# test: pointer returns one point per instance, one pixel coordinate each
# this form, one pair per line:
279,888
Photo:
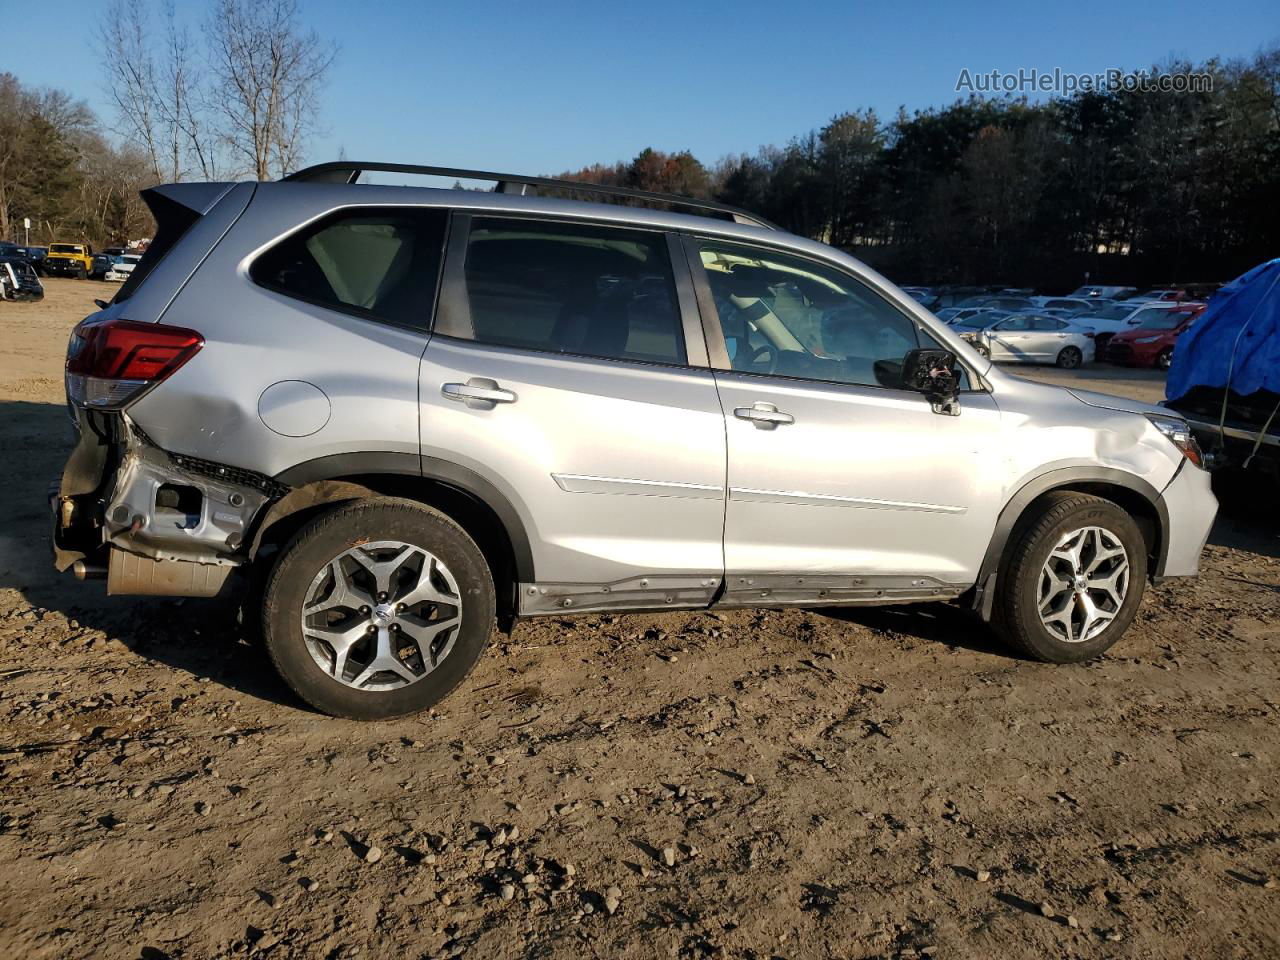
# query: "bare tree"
132,85
266,75
156,91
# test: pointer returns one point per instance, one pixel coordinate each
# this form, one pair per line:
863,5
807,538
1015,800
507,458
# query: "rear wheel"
378,609
1070,357
1072,580
1164,359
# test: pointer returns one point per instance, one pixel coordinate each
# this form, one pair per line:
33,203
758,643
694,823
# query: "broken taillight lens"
110,363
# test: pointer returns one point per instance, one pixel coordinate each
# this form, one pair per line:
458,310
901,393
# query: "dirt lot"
754,784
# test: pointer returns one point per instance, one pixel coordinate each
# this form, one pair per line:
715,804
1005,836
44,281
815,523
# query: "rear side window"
378,263
572,289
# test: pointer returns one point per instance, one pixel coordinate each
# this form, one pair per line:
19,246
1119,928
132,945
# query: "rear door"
567,368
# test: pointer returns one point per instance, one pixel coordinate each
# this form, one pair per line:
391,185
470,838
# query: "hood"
1105,401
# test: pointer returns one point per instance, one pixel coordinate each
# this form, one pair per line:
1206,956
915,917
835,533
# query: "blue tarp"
1237,338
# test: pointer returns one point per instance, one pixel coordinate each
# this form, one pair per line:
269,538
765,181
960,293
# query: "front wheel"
1070,357
1072,579
377,609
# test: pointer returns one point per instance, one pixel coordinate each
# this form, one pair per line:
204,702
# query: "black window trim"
719,352
452,318
359,313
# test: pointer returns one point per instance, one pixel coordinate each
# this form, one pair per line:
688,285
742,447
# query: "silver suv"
390,415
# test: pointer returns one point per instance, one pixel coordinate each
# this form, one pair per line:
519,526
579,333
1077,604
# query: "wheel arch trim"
1063,479
343,465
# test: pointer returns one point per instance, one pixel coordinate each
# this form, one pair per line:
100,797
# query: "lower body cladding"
171,525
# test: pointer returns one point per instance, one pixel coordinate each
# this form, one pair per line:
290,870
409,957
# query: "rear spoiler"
176,207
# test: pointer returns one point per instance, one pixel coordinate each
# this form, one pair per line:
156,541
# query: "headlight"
1180,435
1146,339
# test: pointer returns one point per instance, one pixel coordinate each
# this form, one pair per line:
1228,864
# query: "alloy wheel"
1083,584
380,616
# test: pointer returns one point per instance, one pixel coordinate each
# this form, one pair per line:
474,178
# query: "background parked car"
69,260
35,256
18,280
1151,342
1035,338
122,266
1116,318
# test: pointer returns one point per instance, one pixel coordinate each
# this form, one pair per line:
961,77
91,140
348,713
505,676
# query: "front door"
842,485
560,371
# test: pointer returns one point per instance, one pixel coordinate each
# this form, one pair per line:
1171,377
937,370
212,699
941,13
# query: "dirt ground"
753,784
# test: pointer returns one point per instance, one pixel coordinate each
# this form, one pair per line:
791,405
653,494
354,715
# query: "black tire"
1070,357
336,531
81,273
1100,342
1016,615
1164,359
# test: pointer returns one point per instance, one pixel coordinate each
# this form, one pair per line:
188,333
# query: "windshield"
1160,319
63,248
130,258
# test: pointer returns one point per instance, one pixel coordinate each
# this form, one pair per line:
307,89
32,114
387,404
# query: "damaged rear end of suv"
149,521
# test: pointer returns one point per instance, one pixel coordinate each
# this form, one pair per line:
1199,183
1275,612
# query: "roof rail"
348,171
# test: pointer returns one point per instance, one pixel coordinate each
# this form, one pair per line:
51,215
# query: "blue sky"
550,86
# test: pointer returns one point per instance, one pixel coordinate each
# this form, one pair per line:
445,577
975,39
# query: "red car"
1151,344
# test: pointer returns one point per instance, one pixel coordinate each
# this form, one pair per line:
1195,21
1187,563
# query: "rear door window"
570,288
377,263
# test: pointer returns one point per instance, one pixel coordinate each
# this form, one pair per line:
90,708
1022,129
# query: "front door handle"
478,393
765,416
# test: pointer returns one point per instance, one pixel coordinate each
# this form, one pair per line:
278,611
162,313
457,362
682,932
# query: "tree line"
1122,185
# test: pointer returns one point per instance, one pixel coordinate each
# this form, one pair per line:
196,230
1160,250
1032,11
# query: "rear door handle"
478,393
765,416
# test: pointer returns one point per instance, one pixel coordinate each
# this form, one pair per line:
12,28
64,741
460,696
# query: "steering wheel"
765,348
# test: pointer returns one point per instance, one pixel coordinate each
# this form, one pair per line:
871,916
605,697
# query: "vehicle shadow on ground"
941,623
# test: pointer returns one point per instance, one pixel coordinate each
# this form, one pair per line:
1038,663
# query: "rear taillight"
111,363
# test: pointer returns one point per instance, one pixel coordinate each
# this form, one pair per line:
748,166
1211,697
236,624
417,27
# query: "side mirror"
933,373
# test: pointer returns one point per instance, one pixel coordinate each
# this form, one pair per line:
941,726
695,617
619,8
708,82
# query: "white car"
1035,338
1108,321
122,266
